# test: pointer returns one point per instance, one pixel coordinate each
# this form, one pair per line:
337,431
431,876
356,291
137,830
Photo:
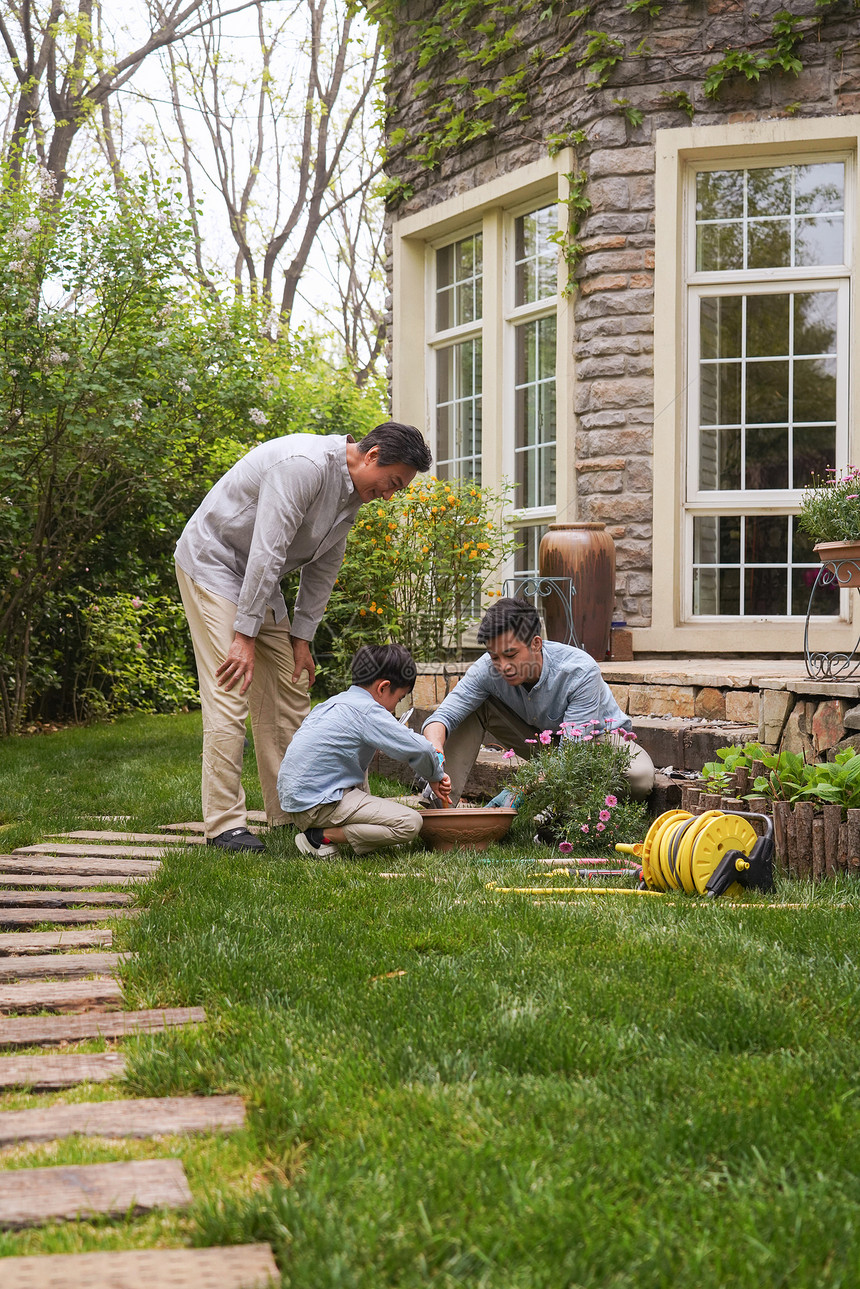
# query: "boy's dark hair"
391,662
510,614
397,442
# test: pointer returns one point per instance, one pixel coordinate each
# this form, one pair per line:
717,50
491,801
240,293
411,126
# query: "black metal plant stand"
541,588
822,664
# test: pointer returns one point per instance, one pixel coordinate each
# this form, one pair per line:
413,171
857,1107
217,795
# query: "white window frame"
679,154
440,340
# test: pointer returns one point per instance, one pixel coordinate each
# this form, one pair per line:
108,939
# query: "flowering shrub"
413,570
573,792
830,511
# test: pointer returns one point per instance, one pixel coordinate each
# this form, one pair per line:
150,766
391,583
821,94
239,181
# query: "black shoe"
236,839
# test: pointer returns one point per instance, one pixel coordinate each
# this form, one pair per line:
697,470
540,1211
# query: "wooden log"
131,838
30,1031
853,839
71,864
242,1266
63,881
147,1117
69,966
44,1072
91,852
742,779
819,849
757,770
34,1196
760,806
27,899
791,832
804,813
844,843
61,917
781,820
733,805
60,996
832,822
17,942
690,798
709,801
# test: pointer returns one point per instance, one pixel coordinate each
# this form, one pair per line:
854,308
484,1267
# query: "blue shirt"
334,745
570,689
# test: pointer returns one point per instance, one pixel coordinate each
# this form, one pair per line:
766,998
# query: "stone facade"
613,347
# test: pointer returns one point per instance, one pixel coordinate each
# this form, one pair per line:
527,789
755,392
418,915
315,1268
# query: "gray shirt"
334,745
570,689
288,504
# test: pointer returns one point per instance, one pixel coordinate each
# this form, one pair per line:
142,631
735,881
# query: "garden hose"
711,854
570,890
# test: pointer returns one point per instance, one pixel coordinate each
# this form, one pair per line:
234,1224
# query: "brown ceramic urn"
586,554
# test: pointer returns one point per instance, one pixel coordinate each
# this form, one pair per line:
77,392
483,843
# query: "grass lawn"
450,1086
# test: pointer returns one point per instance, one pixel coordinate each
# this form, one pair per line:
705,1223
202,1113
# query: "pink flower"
583,828
853,497
600,827
510,753
530,740
546,737
565,847
611,801
136,602
604,816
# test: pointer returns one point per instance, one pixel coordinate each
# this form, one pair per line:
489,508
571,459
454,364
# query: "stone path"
56,884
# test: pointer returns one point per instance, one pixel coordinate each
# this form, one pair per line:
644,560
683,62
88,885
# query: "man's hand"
436,733
239,663
303,660
442,790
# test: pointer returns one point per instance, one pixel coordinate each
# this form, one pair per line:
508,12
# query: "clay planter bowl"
446,829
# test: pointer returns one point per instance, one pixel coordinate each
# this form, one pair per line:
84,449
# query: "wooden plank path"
147,1117
64,881
42,1073
30,1031
163,839
34,1196
60,996
61,899
243,1266
17,942
71,966
114,852
60,917
79,864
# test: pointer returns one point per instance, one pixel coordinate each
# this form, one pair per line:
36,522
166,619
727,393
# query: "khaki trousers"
369,822
464,743
275,704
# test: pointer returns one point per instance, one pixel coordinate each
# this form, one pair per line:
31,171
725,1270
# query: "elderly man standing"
289,504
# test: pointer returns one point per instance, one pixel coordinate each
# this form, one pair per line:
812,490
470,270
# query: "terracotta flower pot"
842,559
445,829
586,554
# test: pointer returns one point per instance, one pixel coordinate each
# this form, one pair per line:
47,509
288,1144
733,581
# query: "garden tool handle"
627,849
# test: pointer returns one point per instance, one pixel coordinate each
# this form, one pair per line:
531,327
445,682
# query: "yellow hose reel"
711,854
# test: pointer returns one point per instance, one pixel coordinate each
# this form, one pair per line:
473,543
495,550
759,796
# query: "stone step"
30,1031
244,1266
36,1196
59,996
17,942
145,1117
43,1073
687,744
70,966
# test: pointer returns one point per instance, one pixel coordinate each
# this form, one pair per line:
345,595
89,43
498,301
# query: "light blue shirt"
570,689
334,745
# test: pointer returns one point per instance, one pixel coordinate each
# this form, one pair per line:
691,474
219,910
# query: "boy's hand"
442,790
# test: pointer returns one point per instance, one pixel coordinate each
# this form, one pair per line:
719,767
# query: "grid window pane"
458,410
535,413
459,283
770,217
755,566
535,256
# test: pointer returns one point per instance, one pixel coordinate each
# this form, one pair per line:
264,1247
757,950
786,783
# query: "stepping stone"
35,1196
29,1031
69,965
47,1072
15,942
63,881
61,917
130,837
60,996
147,1117
60,899
91,852
244,1266
78,864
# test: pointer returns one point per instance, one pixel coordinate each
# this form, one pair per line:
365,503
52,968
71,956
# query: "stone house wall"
614,411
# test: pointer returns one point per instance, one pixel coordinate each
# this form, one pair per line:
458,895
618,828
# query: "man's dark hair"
510,614
398,442
391,662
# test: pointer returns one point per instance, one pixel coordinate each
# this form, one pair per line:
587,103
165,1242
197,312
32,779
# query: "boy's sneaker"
312,842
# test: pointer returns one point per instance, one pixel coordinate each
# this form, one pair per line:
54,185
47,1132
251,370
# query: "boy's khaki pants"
369,822
277,707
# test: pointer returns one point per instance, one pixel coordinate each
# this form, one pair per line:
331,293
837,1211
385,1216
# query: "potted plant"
830,512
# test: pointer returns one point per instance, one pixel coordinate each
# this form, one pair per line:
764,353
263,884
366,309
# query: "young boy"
320,782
